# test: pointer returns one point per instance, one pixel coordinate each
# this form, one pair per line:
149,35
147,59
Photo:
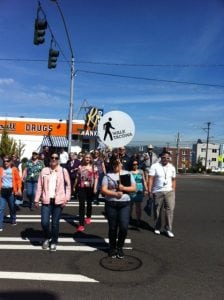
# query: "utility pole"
178,147
207,129
71,101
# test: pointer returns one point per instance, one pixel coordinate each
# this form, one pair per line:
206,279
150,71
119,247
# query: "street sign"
116,129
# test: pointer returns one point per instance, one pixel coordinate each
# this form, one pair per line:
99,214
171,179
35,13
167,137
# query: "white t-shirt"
111,181
63,157
163,176
52,183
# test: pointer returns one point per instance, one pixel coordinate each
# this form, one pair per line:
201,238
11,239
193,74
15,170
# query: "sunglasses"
164,157
134,164
6,160
55,157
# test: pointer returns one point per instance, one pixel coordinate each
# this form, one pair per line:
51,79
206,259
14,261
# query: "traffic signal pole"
71,101
71,104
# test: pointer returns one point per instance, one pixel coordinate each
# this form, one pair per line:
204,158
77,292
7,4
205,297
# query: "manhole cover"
128,263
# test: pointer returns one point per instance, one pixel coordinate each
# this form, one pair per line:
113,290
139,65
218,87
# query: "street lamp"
71,101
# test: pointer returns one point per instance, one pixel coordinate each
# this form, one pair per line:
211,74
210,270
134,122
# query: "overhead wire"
153,79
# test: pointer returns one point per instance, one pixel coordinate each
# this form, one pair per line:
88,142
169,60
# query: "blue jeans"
118,215
54,211
31,187
10,200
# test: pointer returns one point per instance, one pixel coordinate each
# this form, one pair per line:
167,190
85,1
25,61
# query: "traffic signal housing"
52,58
39,31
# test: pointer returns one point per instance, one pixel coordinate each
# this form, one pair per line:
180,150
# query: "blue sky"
170,40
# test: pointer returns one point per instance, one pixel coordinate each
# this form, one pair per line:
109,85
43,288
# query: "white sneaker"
45,245
156,231
170,234
53,247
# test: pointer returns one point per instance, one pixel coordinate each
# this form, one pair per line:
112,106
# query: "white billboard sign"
116,129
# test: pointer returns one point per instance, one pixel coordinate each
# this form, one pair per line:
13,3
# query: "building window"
203,150
214,150
213,159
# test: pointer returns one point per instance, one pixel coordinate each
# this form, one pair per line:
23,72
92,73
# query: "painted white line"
60,240
46,277
59,248
77,205
61,221
63,217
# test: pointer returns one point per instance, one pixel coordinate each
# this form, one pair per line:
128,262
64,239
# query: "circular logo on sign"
116,129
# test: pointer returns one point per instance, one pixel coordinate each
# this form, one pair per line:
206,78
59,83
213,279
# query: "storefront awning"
55,141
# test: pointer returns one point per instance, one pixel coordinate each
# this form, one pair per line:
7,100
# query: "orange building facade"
36,133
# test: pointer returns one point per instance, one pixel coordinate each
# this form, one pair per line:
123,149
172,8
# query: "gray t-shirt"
111,181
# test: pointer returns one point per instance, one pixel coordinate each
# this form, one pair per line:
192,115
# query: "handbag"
149,206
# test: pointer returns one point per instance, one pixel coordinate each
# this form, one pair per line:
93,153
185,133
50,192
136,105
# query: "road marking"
35,220
46,277
75,219
70,204
60,240
77,205
63,216
59,247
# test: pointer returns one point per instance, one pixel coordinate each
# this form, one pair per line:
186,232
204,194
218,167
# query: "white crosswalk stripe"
60,240
75,244
46,277
64,219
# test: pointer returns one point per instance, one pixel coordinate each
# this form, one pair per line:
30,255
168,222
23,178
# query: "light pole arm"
66,30
71,102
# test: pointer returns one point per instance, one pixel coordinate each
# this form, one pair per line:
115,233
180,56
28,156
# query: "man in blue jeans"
30,176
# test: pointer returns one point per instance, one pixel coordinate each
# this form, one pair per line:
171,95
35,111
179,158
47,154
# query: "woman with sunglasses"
10,185
54,191
117,201
141,188
86,185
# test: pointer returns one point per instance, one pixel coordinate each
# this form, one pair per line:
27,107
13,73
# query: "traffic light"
39,31
52,58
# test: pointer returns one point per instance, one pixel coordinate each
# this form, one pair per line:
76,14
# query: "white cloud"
6,81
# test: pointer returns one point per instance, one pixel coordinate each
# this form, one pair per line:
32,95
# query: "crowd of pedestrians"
121,181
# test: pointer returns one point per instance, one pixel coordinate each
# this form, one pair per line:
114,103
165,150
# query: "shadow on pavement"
27,295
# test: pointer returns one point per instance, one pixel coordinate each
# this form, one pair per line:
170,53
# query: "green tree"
8,145
199,165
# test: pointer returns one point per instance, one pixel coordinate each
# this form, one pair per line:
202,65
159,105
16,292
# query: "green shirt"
33,170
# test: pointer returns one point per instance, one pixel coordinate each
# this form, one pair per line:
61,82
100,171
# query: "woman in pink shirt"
54,190
86,185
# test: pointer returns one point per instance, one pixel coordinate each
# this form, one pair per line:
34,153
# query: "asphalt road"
190,266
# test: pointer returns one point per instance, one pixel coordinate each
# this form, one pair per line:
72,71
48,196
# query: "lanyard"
165,172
